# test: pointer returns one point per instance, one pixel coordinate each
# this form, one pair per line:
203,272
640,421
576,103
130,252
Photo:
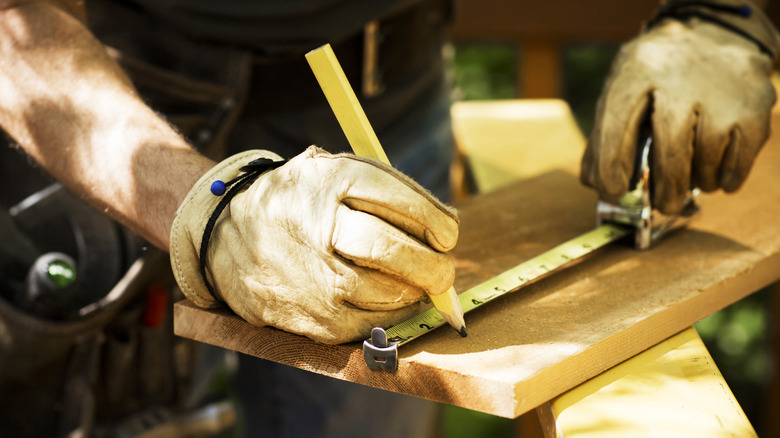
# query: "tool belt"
95,355
73,373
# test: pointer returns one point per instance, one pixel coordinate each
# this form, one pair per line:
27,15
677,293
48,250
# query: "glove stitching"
405,302
183,283
427,233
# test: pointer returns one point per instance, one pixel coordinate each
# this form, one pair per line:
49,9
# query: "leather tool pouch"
54,374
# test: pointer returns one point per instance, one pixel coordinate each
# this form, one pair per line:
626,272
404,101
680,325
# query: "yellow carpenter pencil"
364,143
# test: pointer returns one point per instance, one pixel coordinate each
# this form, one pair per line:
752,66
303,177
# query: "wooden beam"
562,20
530,346
593,20
541,69
672,390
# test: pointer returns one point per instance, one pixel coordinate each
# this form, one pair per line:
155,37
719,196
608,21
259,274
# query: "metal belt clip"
635,207
377,354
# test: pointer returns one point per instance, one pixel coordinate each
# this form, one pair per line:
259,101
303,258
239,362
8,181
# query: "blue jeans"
285,402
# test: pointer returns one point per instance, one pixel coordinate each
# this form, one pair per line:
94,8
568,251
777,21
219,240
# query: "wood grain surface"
532,345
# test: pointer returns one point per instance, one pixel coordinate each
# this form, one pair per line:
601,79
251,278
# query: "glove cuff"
191,220
740,16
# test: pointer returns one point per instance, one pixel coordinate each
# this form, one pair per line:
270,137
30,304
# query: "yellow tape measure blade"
513,279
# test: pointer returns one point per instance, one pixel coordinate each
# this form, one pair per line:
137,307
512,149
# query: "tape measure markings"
511,279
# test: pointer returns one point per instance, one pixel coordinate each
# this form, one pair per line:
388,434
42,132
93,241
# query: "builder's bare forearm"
72,109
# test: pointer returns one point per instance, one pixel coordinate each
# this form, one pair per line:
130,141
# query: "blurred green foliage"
463,423
585,66
485,71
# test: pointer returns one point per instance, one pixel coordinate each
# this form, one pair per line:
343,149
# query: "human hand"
709,95
326,246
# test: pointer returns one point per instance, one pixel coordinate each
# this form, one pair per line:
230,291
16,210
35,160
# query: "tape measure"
511,279
632,214
381,351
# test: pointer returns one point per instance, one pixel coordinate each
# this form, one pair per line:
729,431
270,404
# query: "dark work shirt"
271,26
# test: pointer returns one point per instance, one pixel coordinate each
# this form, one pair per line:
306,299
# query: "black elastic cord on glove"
251,171
677,11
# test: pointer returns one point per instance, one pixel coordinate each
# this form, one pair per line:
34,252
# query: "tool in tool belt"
59,257
633,213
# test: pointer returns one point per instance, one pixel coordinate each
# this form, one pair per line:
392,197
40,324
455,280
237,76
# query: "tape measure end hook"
377,354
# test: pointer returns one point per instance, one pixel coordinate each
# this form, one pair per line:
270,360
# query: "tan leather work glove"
709,92
326,246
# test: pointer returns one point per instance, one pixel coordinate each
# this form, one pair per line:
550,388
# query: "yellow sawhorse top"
674,389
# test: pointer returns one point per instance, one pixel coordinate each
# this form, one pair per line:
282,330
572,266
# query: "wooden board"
533,345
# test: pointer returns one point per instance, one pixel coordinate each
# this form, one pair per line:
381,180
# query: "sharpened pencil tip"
462,331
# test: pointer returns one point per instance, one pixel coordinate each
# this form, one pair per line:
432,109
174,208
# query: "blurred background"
563,49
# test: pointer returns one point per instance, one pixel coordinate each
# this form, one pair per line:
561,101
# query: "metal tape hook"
635,208
377,354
